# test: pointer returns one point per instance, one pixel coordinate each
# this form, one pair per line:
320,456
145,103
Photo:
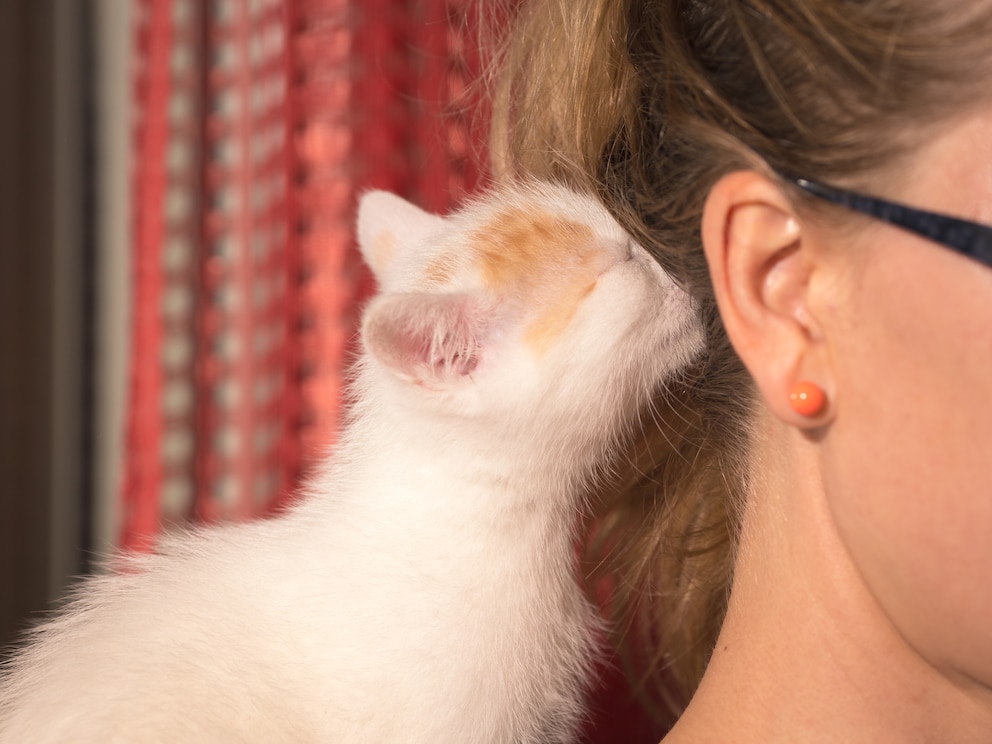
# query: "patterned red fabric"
161,419
260,123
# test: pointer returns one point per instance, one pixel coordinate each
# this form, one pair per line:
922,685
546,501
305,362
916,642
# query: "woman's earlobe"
762,265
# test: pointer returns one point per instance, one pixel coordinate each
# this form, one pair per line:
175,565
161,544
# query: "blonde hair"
649,103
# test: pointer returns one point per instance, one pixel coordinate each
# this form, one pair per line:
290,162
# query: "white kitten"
423,590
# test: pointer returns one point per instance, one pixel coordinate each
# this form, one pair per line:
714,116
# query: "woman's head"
897,329
657,104
652,101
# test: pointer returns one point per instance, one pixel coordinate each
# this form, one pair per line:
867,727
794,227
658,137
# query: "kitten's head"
530,301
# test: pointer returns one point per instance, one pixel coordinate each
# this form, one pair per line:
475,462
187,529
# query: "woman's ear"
764,264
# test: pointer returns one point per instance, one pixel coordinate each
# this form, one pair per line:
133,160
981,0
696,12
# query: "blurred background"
178,280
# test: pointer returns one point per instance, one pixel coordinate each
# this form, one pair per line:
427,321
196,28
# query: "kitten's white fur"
423,589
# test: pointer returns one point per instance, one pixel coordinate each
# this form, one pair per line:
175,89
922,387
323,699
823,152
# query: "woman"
814,527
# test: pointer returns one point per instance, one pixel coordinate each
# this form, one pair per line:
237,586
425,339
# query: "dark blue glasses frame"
969,238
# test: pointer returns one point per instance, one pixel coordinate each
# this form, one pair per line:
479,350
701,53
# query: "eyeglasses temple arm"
969,238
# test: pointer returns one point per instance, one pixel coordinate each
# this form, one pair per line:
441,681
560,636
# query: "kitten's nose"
610,255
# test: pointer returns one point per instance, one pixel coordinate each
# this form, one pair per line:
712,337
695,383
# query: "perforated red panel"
261,123
322,173
445,118
241,311
159,480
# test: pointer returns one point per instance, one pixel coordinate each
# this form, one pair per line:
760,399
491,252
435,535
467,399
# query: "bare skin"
862,605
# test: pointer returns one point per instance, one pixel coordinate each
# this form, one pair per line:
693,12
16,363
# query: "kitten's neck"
441,503
521,454
496,471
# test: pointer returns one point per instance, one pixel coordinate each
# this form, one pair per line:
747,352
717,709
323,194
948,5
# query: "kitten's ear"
389,225
429,339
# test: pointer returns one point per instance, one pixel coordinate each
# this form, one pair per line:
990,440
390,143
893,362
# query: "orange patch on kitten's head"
440,271
542,332
523,249
522,244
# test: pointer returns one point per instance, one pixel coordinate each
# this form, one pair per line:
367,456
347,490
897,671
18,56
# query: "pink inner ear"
426,338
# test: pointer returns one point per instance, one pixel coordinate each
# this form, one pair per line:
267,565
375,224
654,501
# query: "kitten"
423,590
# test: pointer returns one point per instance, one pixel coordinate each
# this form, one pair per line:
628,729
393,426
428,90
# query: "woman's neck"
806,653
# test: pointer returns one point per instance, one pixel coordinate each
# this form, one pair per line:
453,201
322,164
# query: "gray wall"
45,262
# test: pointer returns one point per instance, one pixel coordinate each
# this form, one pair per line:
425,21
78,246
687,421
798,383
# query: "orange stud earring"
807,399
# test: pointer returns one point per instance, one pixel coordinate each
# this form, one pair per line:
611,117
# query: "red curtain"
259,122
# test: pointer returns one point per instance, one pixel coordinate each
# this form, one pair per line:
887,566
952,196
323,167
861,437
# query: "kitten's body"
424,590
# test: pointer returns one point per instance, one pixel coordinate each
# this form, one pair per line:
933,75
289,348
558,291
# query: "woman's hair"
649,103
